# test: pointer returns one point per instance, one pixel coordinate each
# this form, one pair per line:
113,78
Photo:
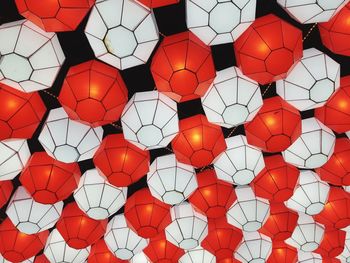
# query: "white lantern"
150,120
219,22
14,156
310,195
98,198
170,181
197,254
233,99
311,82
122,33
67,140
313,148
30,58
188,227
308,257
57,251
139,258
248,212
123,242
240,163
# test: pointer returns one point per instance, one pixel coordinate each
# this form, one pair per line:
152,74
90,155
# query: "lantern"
344,256
121,162
311,82
41,259
157,3
183,67
101,253
268,49
332,243
69,141
282,253
93,93
30,57
197,254
233,99
140,257
218,22
198,142
122,43
308,257
6,188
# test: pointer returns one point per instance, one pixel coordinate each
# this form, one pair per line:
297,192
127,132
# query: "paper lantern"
332,243
121,240
157,3
344,256
93,93
101,253
98,198
282,253
6,188
69,141
183,67
197,254
29,260
30,57
268,49
41,259
218,22
311,82
122,33
198,142
140,257
121,162
150,120
309,257
313,148
233,99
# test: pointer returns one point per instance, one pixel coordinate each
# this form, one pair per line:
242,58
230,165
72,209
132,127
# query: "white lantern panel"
197,254
308,257
139,258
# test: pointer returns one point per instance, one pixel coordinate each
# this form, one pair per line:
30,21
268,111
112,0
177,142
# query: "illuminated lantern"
29,260
146,215
121,240
344,256
16,246
198,142
150,120
93,93
224,103
313,148
217,22
248,212
69,141
30,57
57,250
170,181
100,253
335,114
6,188
213,196
197,254
275,127
157,3
122,43
311,82
282,253
332,243
308,257
140,257
77,229
268,49
183,67
121,162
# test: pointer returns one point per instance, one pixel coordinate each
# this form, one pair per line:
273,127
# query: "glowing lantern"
332,243
282,253
183,67
6,188
157,3
309,257
344,256
197,254
100,253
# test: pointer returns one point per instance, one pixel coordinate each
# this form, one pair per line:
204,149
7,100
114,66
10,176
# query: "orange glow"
196,137
162,244
11,104
347,21
270,121
180,65
149,208
94,90
207,192
280,250
263,48
343,104
107,255
124,157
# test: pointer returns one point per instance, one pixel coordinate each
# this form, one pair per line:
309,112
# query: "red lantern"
16,246
275,127
6,188
21,113
146,215
48,180
93,93
41,259
276,182
198,142
183,67
330,260
332,243
55,15
282,253
268,49
120,161
79,230
101,254
336,112
157,3
213,197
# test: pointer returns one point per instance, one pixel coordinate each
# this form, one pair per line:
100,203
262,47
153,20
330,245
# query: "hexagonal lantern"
345,254
233,99
332,243
101,253
30,57
283,253
197,254
122,33
219,22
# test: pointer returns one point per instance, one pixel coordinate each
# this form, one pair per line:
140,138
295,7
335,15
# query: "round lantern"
309,257
100,253
311,82
344,256
121,162
268,49
183,67
282,253
6,188
275,127
93,93
69,141
198,142
122,43
77,229
332,243
30,57
313,148
146,215
157,3
150,120
197,254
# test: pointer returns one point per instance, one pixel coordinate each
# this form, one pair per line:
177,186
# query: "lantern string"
49,93
309,32
163,35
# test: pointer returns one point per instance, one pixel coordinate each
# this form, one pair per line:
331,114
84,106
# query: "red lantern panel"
41,259
332,243
101,254
157,3
6,188
282,253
